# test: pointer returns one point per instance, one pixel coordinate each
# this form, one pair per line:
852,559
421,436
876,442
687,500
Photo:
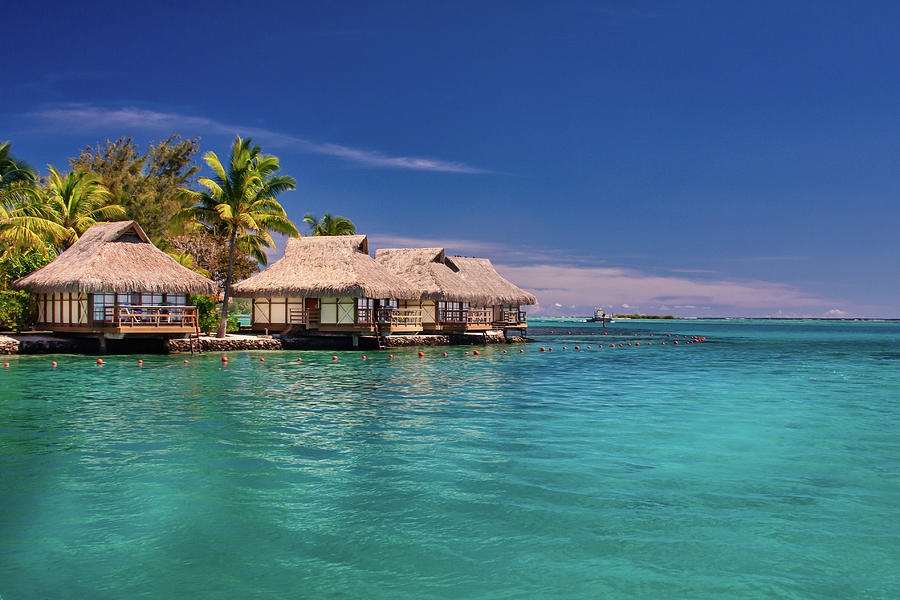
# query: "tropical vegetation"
77,201
329,225
222,225
239,205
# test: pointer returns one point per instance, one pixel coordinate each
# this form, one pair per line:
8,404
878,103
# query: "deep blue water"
763,463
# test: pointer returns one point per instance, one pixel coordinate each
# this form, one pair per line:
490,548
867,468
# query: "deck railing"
150,316
469,316
512,317
406,317
298,316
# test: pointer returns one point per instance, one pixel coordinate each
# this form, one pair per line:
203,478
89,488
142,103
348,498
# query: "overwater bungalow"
457,294
329,284
112,283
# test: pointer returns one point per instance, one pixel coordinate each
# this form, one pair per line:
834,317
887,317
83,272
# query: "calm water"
764,463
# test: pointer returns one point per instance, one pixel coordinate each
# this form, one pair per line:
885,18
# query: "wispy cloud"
84,117
585,286
567,285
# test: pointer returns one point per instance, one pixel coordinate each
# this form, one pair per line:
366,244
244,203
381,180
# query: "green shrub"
15,308
233,325
18,264
207,316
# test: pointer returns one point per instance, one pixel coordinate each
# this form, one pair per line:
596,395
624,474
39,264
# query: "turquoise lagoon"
764,463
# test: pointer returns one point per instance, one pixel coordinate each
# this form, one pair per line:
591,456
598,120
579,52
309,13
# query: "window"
101,302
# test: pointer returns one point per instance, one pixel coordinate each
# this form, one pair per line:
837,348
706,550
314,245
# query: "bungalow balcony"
465,319
400,319
396,320
147,319
512,318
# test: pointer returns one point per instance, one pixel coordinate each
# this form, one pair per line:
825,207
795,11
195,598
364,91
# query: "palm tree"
25,218
239,204
329,225
79,200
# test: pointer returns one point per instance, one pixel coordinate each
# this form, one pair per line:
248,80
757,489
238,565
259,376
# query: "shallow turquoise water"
764,463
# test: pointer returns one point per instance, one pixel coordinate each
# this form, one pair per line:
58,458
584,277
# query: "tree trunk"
223,324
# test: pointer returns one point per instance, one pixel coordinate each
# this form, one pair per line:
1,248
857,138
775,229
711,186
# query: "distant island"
643,317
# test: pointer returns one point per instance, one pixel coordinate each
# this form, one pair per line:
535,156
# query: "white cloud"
836,313
83,117
588,286
561,283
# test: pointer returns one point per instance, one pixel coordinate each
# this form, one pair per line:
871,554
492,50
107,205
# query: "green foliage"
78,201
16,264
25,218
209,253
239,205
15,308
207,316
233,325
146,184
241,306
329,225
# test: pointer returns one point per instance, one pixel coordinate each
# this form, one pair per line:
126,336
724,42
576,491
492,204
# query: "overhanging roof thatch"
479,274
426,269
325,267
114,257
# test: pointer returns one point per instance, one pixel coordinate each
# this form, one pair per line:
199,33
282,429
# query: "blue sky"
700,159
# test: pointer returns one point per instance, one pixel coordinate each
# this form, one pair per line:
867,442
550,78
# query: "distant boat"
600,317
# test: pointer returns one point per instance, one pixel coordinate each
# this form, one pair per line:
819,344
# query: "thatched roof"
114,257
426,269
479,274
325,267
459,279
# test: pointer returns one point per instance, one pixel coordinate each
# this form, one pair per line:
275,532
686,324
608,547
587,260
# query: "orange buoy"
185,361
391,356
467,351
421,354
54,364
570,333
364,357
629,343
99,361
577,347
589,347
261,359
140,363
504,352
224,359
565,347
543,349
521,351
668,335
604,333
475,352
551,349
299,359
444,354
637,343
676,341
334,358
6,365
